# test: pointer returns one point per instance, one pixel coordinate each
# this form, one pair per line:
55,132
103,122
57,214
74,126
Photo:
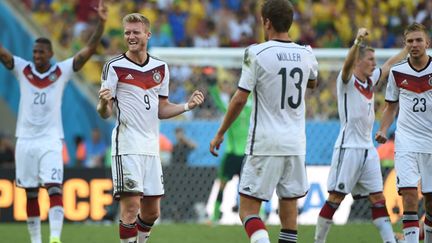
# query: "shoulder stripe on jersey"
287,47
400,63
379,77
254,123
106,67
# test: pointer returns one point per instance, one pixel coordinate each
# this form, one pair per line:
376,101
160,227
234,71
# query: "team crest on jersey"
157,77
53,77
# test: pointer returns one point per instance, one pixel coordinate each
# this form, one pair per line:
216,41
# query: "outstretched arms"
350,60
6,57
84,54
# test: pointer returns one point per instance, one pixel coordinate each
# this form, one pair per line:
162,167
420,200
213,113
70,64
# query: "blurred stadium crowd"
229,23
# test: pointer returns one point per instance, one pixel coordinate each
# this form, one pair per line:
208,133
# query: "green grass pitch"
186,233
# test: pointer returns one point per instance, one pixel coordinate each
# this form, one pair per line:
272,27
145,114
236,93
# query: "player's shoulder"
115,59
157,60
401,64
275,45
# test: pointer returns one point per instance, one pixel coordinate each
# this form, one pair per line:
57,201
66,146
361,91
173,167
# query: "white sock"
385,229
143,236
322,228
130,240
55,216
427,233
34,228
411,234
260,236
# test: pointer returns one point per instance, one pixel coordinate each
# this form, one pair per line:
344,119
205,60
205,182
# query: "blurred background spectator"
7,151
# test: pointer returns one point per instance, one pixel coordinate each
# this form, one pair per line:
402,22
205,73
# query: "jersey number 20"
298,85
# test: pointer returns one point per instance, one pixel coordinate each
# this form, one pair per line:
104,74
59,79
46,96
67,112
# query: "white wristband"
186,107
357,42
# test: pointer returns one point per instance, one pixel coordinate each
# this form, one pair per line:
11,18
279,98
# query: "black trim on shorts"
252,197
292,198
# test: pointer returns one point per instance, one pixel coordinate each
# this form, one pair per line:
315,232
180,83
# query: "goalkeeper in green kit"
235,141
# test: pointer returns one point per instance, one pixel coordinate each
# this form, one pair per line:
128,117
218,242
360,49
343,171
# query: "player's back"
278,76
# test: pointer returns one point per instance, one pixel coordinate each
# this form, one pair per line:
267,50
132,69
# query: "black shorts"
230,165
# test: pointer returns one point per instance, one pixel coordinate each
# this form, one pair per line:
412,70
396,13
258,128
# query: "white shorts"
356,171
140,174
414,167
38,162
260,176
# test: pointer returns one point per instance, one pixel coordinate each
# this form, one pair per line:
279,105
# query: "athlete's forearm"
388,116
84,55
104,109
6,58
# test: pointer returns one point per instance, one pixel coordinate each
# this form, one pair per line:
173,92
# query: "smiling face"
136,36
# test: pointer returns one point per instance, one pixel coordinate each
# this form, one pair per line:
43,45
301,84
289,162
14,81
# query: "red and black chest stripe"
145,80
413,83
366,89
41,82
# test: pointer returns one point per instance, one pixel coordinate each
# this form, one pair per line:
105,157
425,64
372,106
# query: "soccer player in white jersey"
355,166
39,127
409,93
136,84
277,73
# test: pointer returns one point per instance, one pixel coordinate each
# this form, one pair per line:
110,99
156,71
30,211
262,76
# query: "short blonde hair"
416,27
136,18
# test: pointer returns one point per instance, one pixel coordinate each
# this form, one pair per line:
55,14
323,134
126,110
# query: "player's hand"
215,144
380,137
361,34
102,10
196,99
105,95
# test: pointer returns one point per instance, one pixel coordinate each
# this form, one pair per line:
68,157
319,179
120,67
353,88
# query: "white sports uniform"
39,126
136,90
277,74
355,166
413,141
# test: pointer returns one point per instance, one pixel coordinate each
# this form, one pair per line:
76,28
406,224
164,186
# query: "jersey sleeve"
18,65
67,68
164,89
392,90
313,75
248,74
109,79
376,74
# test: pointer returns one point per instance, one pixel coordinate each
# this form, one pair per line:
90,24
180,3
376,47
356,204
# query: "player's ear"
149,35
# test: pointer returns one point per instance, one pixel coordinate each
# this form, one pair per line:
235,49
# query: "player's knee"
150,216
410,199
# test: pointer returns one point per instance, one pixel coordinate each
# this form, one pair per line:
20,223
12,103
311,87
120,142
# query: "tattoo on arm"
84,55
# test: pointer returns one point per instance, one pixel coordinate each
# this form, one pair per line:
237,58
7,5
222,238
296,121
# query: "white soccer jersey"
413,89
136,90
39,112
277,74
356,111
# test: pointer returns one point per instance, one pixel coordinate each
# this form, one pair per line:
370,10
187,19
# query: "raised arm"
168,109
84,54
6,57
236,105
389,114
385,69
350,60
